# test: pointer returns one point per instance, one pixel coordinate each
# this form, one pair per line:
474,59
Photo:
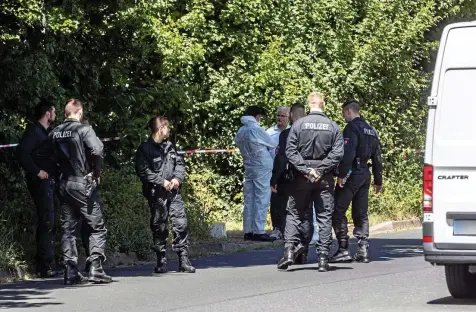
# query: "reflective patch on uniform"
316,126
369,132
62,134
346,140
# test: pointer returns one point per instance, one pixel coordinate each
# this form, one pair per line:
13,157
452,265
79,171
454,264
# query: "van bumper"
450,256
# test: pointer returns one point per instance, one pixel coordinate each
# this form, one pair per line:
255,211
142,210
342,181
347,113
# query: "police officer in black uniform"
361,145
79,153
35,154
314,148
281,180
162,172
85,229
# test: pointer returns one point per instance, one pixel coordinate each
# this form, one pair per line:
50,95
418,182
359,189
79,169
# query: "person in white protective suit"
256,147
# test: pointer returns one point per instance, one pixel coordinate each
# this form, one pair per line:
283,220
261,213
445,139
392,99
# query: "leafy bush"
200,63
126,212
128,217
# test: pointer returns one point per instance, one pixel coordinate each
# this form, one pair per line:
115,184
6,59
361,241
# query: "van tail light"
428,188
428,239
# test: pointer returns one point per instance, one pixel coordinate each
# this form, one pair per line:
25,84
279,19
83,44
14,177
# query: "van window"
455,126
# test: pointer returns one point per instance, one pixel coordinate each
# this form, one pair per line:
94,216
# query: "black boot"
72,275
185,265
248,236
161,264
342,254
97,274
47,271
362,254
288,258
323,262
87,267
301,258
262,238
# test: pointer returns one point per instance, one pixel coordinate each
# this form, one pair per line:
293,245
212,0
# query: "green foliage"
17,217
210,193
201,62
10,253
126,212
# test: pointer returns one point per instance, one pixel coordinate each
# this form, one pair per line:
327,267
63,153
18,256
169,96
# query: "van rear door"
454,144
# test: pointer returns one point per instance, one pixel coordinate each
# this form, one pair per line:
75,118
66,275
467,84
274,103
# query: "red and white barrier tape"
194,151
209,151
8,145
203,151
104,140
112,139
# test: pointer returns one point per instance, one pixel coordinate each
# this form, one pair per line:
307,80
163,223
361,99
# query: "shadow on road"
381,249
452,301
315,268
35,293
384,249
20,298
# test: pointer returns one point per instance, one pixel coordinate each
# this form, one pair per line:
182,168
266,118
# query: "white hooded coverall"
256,147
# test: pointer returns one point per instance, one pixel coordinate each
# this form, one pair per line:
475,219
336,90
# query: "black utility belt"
73,179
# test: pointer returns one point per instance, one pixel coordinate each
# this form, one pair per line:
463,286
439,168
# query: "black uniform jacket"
361,144
156,162
280,161
315,142
78,150
35,152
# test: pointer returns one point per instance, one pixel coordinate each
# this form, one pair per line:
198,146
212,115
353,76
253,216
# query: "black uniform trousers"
356,189
74,206
163,205
42,192
279,201
299,223
85,231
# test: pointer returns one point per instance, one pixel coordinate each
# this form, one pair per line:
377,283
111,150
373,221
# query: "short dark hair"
254,111
352,104
156,122
43,107
298,110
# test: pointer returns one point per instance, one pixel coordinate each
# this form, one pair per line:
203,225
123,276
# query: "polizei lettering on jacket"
316,126
62,134
369,132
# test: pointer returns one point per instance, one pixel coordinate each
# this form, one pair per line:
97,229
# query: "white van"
449,177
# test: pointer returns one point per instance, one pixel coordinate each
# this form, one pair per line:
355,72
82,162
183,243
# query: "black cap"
254,111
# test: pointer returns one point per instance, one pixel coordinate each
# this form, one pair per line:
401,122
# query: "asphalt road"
398,279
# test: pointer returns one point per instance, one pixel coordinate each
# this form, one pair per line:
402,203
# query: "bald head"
73,109
315,100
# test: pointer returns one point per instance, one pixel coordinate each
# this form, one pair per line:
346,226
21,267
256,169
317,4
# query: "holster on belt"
288,173
91,184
